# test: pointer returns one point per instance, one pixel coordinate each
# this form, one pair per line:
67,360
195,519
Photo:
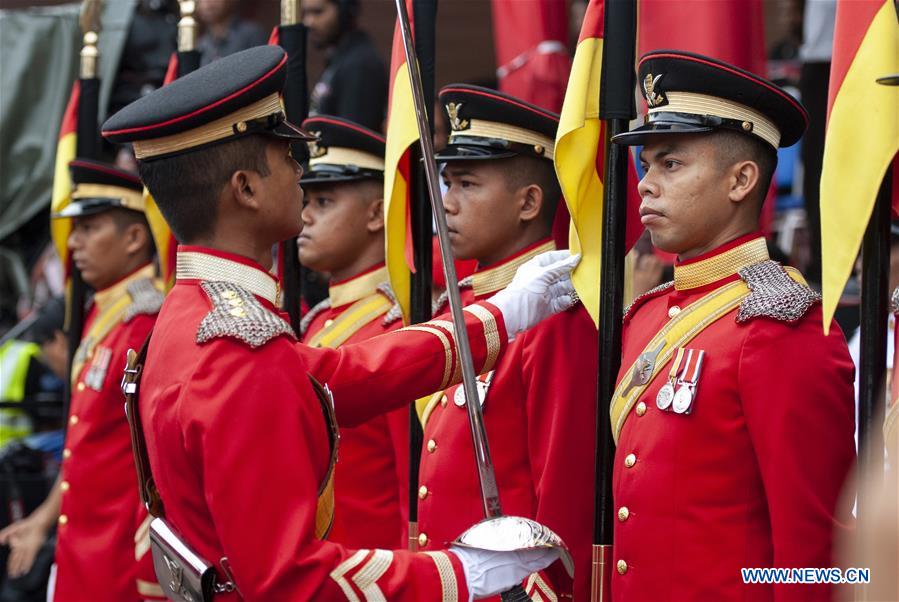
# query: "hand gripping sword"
496,532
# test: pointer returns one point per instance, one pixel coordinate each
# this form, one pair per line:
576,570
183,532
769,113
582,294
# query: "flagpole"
292,36
424,15
87,147
188,55
616,109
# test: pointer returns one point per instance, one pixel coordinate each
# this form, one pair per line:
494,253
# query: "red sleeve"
258,441
797,393
559,364
383,373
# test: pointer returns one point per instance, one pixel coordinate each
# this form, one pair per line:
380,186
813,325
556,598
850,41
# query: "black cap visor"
83,207
471,148
667,123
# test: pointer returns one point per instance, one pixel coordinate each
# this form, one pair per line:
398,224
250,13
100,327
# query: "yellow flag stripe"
61,196
402,132
862,139
577,144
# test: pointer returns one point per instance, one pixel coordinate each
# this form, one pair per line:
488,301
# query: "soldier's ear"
744,178
243,189
531,202
375,215
136,237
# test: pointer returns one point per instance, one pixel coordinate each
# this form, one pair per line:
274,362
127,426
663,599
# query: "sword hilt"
516,594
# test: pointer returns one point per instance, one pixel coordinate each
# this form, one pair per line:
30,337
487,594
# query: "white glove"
541,287
490,573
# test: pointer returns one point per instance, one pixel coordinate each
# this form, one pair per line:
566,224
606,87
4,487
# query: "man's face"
336,220
482,211
280,191
684,193
100,249
323,20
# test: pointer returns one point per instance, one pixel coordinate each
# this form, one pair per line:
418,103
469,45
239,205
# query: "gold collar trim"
202,266
357,288
108,296
722,265
496,278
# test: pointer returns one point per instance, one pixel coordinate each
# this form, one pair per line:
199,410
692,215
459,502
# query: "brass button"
432,446
630,460
443,400
63,519
622,567
673,311
422,492
623,513
641,409
328,323
422,539
80,387
64,485
73,419
67,453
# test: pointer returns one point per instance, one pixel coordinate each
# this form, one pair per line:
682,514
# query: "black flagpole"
616,109
87,146
424,16
292,36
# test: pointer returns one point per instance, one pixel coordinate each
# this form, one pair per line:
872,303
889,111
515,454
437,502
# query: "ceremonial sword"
496,532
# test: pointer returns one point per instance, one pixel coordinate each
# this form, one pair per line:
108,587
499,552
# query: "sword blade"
486,472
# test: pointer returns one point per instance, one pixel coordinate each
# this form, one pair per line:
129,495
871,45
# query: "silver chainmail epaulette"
312,313
395,312
639,299
236,313
774,294
146,299
894,301
443,299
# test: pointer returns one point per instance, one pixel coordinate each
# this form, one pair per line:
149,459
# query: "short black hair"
734,146
186,187
523,171
126,217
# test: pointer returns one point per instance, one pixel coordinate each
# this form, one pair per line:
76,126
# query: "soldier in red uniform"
102,544
237,439
500,203
734,412
343,236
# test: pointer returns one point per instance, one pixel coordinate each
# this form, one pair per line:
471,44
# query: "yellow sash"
676,333
351,321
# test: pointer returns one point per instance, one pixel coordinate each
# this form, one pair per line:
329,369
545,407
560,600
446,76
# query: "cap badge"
649,84
316,151
455,123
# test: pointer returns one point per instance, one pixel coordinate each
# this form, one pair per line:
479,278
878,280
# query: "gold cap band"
219,129
479,128
336,155
703,104
130,199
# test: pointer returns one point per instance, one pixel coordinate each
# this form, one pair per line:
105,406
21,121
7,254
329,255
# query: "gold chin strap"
335,155
722,265
480,128
130,199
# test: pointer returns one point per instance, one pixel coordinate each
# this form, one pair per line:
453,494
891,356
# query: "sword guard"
514,533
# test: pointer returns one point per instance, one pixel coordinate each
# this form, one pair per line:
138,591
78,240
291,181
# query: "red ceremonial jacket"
371,478
751,477
238,445
102,524
540,417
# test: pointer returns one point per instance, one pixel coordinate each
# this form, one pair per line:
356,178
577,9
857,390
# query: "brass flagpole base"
601,579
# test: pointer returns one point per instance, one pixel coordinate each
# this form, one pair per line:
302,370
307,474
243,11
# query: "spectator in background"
224,31
354,82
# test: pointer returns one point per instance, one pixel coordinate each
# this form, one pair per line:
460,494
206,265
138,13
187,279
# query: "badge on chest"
679,393
96,372
483,385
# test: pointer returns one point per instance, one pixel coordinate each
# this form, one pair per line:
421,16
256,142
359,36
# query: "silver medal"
683,399
483,386
665,396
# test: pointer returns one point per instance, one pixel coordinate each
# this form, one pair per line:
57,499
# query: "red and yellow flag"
862,135
402,133
166,244
579,159
62,180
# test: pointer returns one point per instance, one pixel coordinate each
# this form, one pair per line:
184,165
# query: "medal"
666,393
483,385
683,399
